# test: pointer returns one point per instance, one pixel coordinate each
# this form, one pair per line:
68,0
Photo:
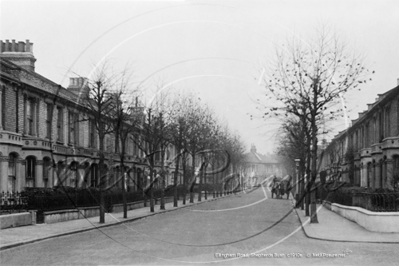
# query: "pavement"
17,236
331,227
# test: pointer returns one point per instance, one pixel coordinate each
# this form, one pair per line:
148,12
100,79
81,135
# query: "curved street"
251,224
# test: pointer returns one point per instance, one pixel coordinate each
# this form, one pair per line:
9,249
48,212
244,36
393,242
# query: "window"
60,124
387,122
368,174
30,171
381,127
71,123
12,171
92,132
395,175
49,116
30,115
46,171
94,175
73,128
73,167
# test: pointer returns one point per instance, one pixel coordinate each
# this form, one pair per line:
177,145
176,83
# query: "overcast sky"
215,48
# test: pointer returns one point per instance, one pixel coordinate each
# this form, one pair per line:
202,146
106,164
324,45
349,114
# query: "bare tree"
308,80
100,106
151,137
123,118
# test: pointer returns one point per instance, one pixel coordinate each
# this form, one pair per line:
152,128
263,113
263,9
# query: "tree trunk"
193,176
313,218
307,187
175,196
184,177
200,173
100,170
151,184
213,178
162,176
122,157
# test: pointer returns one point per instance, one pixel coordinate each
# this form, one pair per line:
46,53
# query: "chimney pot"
31,47
13,46
21,47
7,46
15,53
397,82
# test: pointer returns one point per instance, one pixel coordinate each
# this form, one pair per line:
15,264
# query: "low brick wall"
17,219
74,214
384,222
70,214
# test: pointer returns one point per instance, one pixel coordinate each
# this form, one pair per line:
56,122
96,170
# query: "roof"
9,70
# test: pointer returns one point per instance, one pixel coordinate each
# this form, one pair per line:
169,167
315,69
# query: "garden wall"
17,219
384,222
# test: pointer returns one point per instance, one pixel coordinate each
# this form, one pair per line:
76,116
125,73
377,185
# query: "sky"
216,49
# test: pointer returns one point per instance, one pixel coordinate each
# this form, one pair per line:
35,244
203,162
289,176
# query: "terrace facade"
367,153
258,166
42,135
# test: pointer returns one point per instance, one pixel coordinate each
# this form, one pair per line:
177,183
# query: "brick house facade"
42,136
367,153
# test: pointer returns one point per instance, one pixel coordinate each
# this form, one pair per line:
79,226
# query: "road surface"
243,229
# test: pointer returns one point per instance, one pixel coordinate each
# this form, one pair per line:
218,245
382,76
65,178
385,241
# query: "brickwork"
22,84
10,107
42,116
20,111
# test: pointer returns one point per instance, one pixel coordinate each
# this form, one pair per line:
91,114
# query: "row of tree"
180,120
307,83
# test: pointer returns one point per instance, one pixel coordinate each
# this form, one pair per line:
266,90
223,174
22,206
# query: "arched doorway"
12,172
139,179
73,174
94,175
30,173
395,172
368,174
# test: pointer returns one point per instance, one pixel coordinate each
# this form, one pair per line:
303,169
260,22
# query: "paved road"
203,234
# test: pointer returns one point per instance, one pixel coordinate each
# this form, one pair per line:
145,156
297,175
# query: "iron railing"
372,201
13,202
377,202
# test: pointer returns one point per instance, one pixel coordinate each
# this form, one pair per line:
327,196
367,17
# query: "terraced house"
367,153
42,135
259,166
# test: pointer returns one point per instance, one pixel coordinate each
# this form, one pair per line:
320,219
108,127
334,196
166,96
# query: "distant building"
258,166
367,153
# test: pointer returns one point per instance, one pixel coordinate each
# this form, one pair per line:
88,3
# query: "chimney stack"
79,86
253,148
19,53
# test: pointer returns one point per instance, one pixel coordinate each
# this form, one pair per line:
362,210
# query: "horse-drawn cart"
281,186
